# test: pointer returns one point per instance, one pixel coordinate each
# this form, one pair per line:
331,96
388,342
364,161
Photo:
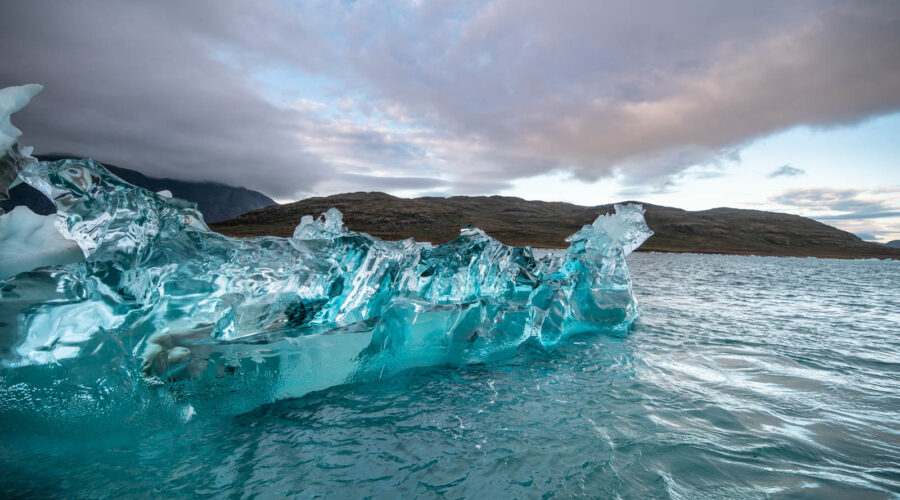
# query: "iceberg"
29,241
12,157
162,313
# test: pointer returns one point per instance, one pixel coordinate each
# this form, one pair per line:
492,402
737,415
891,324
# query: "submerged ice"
163,312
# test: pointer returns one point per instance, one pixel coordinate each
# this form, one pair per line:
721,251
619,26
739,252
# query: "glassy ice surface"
163,313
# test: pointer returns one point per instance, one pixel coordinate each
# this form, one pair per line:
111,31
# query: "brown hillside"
515,221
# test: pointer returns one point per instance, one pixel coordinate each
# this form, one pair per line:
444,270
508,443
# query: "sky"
770,105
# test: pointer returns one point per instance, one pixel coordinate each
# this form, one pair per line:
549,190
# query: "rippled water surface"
746,377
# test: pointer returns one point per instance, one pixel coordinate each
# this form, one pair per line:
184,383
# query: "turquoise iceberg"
163,313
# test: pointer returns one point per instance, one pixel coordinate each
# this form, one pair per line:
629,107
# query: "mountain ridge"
545,224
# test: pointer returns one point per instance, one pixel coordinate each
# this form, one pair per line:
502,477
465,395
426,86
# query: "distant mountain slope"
546,224
216,201
893,244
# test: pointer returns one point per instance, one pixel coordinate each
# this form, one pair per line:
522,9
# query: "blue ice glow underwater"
164,312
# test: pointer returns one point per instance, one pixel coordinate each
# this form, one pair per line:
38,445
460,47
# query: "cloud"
139,87
880,230
860,215
598,87
871,214
786,171
378,182
665,186
295,99
850,204
352,182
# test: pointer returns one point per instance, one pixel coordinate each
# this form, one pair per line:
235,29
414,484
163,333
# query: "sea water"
745,377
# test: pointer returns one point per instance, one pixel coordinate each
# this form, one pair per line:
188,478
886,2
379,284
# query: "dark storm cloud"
139,86
458,96
786,171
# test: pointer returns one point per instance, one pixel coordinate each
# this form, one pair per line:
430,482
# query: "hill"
546,224
217,202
